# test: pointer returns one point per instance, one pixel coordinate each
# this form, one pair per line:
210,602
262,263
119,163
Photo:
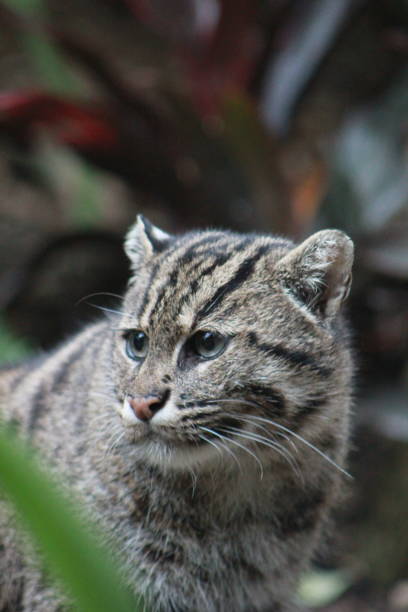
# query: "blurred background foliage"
71,551
281,116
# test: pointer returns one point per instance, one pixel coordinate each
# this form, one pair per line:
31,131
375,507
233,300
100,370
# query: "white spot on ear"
157,234
143,240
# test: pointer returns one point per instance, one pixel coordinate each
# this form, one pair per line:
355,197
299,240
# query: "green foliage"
63,170
51,68
12,348
70,551
85,206
320,588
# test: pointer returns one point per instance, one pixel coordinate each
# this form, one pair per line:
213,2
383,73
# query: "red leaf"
226,63
218,59
83,126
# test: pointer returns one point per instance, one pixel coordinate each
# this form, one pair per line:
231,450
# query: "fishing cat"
205,422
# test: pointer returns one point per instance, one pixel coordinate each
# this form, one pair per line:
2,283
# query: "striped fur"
219,500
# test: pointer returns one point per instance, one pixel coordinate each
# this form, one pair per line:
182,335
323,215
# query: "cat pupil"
208,341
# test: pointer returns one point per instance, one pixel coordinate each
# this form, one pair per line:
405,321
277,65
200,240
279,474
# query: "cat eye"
208,344
137,344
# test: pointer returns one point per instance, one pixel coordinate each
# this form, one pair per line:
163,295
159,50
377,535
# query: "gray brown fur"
228,520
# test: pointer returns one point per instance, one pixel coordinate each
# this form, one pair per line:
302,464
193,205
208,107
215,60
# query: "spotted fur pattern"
218,501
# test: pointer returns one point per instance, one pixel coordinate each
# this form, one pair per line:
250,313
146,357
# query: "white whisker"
111,310
236,444
249,435
116,438
248,420
214,444
223,446
104,293
252,418
304,441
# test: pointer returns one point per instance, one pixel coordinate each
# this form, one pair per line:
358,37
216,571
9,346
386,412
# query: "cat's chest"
184,543
168,527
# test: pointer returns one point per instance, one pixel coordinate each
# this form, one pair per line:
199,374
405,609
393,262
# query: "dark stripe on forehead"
188,254
145,299
192,253
155,272
220,257
176,245
200,256
241,275
220,260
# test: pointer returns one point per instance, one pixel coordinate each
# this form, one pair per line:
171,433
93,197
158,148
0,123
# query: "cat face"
228,343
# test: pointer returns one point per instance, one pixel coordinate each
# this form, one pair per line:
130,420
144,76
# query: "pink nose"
145,407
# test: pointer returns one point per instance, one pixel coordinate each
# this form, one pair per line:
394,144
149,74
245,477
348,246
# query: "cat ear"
144,240
318,272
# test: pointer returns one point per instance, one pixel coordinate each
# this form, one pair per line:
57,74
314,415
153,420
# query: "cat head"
228,343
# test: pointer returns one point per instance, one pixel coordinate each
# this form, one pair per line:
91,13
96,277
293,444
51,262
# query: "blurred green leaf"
50,66
12,348
70,551
26,6
52,69
75,180
85,208
319,588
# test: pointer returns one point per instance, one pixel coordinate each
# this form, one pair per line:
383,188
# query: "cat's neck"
225,491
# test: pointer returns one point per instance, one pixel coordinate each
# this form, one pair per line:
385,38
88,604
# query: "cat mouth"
171,439
196,436
161,436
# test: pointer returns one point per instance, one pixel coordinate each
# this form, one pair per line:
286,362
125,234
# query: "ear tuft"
318,272
144,240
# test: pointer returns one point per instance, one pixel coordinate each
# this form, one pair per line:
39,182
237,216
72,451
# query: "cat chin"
180,458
